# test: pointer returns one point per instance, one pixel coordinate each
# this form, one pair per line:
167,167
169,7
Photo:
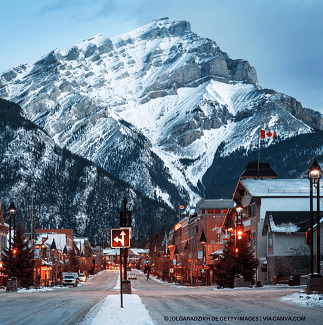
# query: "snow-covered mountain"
68,191
153,106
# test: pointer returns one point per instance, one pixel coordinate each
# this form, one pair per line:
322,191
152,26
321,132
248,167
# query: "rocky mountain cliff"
68,191
154,106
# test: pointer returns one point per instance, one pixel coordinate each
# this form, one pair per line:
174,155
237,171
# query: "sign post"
120,238
125,221
121,296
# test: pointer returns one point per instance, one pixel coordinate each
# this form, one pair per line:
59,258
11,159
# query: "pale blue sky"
282,39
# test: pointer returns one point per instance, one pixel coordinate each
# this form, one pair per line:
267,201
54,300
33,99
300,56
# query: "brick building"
195,258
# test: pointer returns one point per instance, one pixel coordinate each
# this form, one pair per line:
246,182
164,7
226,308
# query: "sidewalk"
109,311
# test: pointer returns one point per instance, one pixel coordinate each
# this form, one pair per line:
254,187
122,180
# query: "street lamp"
239,208
203,241
11,214
239,211
314,175
176,254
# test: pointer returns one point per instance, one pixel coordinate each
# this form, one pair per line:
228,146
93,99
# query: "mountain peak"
157,96
160,27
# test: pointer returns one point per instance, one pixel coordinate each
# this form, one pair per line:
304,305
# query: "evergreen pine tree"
229,265
22,263
74,263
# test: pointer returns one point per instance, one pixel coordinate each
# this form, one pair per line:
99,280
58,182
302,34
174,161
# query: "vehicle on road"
132,276
70,278
82,277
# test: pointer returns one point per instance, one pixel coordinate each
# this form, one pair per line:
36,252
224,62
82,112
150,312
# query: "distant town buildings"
275,219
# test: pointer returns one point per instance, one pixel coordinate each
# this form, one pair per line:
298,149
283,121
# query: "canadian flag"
181,207
264,134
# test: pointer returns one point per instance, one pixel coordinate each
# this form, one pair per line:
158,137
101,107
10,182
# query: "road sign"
120,238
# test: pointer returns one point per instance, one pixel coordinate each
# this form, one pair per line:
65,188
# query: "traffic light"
240,232
308,237
14,252
236,251
125,218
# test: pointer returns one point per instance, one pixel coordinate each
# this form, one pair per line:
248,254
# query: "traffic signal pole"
125,249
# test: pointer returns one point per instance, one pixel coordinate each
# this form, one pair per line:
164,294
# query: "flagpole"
258,152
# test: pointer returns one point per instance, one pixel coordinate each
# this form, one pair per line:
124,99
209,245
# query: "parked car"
82,277
70,278
132,276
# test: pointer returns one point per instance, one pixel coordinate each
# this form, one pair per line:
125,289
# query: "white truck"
70,278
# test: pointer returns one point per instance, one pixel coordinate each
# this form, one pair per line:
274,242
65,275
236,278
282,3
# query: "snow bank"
23,290
303,299
110,312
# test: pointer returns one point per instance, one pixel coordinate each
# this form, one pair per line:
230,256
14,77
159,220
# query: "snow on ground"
303,299
117,286
32,289
109,311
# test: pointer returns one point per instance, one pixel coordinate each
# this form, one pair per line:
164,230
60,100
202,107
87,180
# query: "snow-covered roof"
140,250
215,204
115,251
287,221
277,187
110,251
40,239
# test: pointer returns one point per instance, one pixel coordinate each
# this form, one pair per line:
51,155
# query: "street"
165,302
62,306
168,304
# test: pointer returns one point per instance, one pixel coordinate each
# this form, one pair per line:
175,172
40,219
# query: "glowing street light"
314,175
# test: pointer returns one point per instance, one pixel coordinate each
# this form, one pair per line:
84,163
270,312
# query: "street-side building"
83,245
286,243
49,261
261,195
4,230
196,259
135,256
63,237
287,252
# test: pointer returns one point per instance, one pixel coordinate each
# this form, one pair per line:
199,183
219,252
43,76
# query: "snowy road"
61,306
169,304
165,303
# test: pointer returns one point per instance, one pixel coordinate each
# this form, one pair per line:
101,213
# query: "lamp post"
203,241
314,175
176,254
11,214
239,210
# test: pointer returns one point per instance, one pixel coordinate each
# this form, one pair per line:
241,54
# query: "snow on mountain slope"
153,105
